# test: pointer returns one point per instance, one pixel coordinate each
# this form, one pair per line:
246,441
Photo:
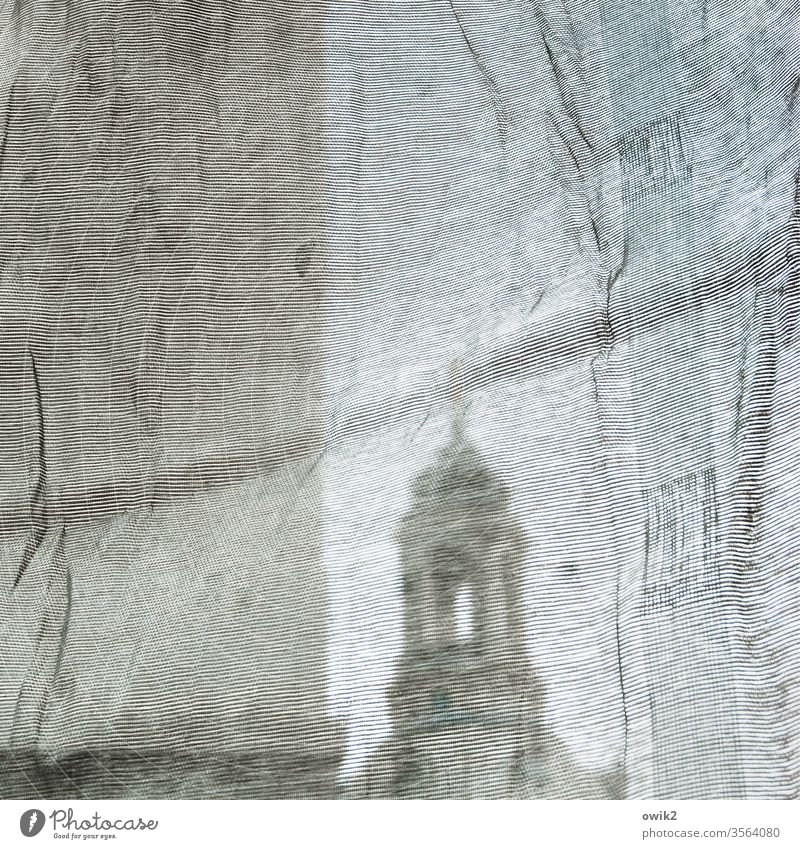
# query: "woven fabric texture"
399,400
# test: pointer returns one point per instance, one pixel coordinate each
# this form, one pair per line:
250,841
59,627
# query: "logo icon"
31,822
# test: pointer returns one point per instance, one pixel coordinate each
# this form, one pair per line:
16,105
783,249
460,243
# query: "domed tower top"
462,553
458,495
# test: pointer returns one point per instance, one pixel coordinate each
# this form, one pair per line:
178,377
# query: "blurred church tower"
465,704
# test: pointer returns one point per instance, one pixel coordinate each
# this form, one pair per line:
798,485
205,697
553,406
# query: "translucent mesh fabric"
399,400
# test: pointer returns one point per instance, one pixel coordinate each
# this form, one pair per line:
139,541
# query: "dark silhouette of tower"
465,694
466,704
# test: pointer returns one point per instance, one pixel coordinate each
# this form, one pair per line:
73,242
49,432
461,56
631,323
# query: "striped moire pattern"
399,400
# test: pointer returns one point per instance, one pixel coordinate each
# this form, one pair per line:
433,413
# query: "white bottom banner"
234,824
